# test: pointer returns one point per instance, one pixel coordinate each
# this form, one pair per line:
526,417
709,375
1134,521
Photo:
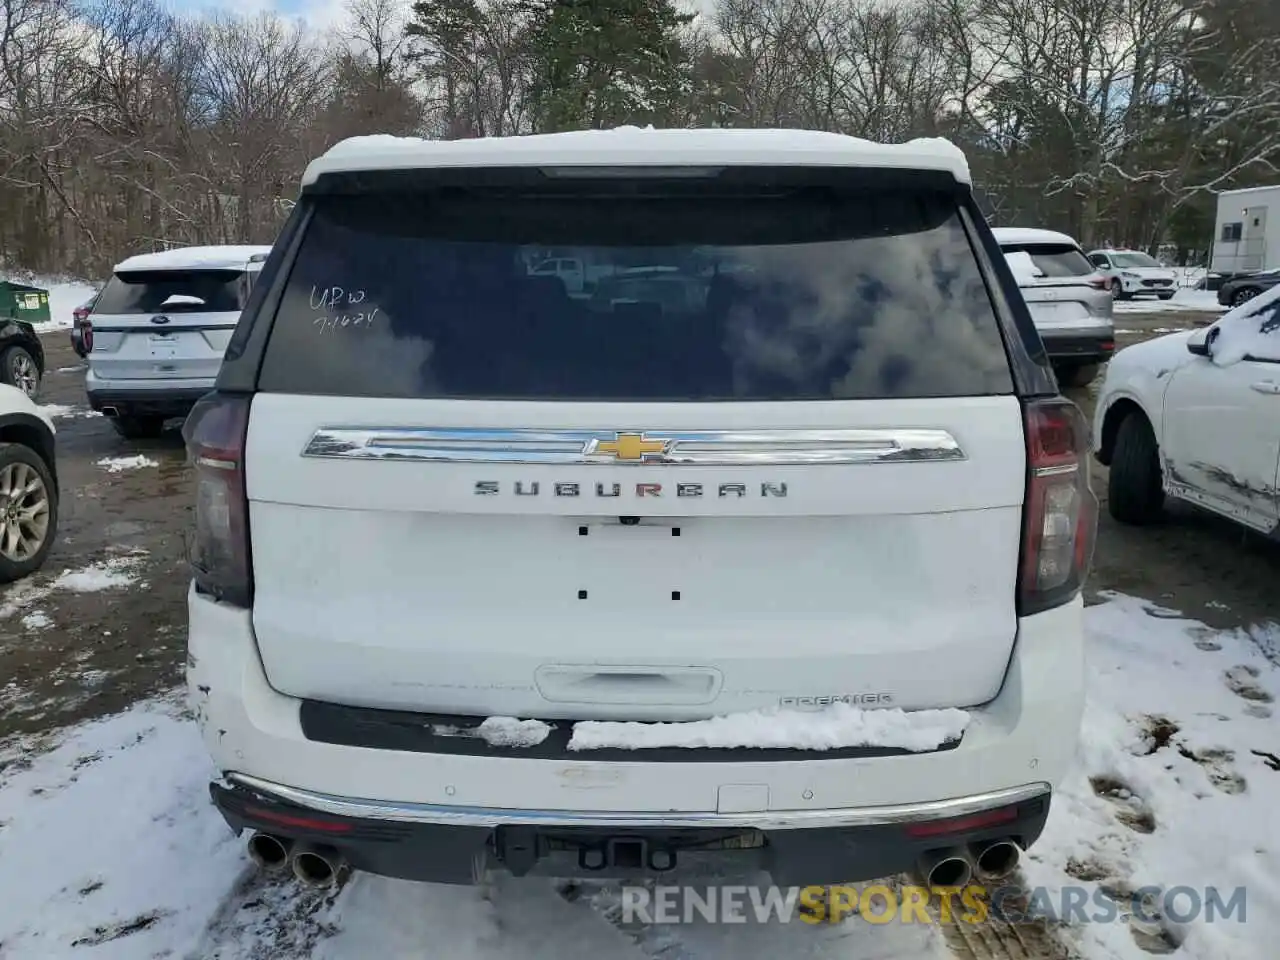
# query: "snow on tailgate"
832,728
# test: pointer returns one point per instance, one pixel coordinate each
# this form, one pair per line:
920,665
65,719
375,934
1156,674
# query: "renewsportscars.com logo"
974,904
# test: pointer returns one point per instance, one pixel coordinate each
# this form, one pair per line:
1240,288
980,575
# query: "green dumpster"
21,302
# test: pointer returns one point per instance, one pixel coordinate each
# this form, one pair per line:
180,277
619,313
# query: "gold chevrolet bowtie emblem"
630,446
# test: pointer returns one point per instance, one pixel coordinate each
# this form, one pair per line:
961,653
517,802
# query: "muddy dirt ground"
67,655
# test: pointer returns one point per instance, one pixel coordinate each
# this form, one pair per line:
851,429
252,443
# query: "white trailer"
1246,237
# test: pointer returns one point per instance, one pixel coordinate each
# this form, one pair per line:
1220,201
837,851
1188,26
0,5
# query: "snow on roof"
632,146
1019,235
194,258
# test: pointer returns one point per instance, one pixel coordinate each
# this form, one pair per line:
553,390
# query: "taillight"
215,436
86,334
1060,518
1098,283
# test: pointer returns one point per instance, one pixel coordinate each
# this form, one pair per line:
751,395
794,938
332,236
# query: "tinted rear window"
1054,259
809,295
145,292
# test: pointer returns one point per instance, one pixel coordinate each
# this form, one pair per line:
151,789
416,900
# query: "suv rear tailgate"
405,556
390,582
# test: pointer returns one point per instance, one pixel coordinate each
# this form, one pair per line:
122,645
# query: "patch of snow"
1023,266
115,842
37,620
832,728
119,464
510,732
60,411
1201,301
634,147
1024,235
194,258
116,572
1176,724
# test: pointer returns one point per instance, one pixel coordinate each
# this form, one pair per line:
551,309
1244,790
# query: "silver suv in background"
157,332
1069,300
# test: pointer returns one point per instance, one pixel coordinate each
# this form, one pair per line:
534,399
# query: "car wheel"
1244,295
1135,493
28,511
1118,291
1077,375
138,428
19,368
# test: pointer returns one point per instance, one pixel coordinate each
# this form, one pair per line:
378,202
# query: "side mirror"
1200,342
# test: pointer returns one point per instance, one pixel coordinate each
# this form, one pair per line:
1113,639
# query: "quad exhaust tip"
269,852
995,859
317,866
946,868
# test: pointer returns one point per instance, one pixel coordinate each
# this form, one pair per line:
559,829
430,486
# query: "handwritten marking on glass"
333,300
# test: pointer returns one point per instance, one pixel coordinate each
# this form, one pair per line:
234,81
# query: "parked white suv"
476,563
156,333
1196,415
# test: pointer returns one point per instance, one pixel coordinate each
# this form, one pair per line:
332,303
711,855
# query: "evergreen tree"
603,63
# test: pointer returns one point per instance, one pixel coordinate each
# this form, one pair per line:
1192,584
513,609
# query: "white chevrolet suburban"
784,570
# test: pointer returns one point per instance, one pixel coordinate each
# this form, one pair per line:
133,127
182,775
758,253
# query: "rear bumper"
447,844
1022,740
1080,345
163,398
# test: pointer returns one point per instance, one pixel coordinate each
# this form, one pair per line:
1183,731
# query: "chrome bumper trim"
760,820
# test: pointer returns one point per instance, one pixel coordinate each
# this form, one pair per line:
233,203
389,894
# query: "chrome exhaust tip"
995,859
110,412
317,866
945,868
269,852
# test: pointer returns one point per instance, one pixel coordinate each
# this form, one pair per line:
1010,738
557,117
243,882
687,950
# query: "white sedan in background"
1196,415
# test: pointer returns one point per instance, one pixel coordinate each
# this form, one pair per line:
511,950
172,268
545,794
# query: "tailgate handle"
623,685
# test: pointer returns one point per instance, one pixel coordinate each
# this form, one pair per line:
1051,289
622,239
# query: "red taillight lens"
1060,517
1098,283
86,334
215,433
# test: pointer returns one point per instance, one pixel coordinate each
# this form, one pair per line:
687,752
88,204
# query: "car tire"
18,368
1077,374
1244,295
1135,493
138,428
1118,291
21,466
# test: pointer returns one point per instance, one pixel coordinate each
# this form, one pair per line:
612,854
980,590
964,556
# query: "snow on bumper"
1026,735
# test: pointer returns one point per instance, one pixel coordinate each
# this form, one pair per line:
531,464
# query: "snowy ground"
120,855
1200,301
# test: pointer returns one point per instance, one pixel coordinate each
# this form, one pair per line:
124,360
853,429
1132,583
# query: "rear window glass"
1054,259
808,295
222,291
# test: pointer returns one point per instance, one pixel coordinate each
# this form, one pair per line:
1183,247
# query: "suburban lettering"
738,488
688,489
648,489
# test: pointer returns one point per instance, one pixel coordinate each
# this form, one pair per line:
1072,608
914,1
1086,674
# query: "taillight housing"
215,432
1060,515
1099,282
86,333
